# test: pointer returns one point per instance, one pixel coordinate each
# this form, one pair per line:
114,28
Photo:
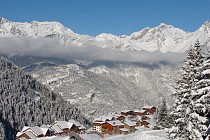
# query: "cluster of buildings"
126,122
58,128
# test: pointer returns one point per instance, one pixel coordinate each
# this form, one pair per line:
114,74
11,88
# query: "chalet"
130,126
113,127
99,124
37,131
57,130
32,132
50,132
140,112
150,109
63,126
127,112
25,135
80,129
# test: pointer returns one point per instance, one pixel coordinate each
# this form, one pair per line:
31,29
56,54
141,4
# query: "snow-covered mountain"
164,38
37,29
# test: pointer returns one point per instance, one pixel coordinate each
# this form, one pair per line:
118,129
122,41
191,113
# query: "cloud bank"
47,47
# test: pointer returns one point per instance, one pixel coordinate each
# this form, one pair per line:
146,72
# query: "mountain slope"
164,38
100,89
24,101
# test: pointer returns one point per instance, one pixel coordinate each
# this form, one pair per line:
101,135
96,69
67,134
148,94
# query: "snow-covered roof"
31,135
90,137
124,129
115,123
126,111
44,126
25,128
56,129
74,122
18,134
77,124
142,111
37,130
64,124
104,118
130,123
148,107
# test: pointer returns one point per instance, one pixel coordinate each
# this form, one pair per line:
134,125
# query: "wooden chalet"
49,132
99,124
32,132
140,112
130,126
61,127
127,112
150,109
25,135
113,127
80,129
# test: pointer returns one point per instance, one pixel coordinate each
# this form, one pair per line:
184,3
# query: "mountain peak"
207,23
205,27
3,20
163,25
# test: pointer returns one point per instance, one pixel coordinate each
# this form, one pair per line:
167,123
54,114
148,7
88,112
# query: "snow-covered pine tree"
163,116
183,107
201,98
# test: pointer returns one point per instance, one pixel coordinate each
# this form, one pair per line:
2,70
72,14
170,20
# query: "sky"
118,17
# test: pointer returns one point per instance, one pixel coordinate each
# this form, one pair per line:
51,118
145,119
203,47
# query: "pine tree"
183,108
201,98
163,117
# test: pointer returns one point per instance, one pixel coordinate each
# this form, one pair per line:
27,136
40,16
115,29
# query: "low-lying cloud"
46,47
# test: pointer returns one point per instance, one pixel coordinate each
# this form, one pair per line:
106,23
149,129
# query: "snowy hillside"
100,89
142,135
164,38
26,102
